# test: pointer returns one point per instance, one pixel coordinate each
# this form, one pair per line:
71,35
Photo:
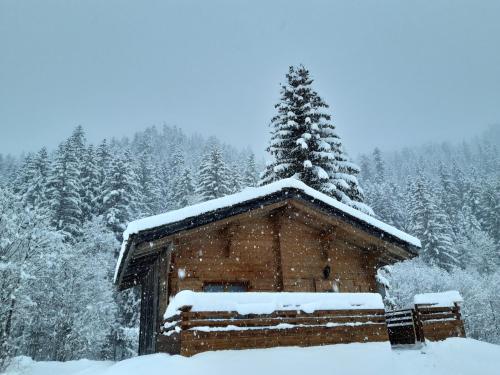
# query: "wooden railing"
410,326
190,332
439,323
193,332
401,327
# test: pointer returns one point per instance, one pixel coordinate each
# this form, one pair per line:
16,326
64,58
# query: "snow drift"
451,357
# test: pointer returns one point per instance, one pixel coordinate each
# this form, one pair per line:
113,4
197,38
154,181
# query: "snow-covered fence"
263,320
195,332
435,316
439,323
438,315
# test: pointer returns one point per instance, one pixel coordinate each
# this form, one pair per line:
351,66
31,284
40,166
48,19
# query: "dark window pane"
213,287
225,287
236,288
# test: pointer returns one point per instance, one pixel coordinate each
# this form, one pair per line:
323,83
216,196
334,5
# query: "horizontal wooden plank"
275,321
292,313
431,310
195,342
440,316
401,311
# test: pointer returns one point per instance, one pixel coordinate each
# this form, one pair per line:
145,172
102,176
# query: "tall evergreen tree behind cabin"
146,180
305,145
78,141
250,175
31,180
120,192
24,177
182,189
63,190
431,225
379,166
235,182
90,184
38,195
365,168
490,210
451,201
213,177
103,161
174,178
177,163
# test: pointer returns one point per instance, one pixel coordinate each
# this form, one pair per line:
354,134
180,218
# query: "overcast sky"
395,73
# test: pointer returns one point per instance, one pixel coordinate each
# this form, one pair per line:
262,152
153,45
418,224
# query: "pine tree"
250,173
489,210
24,178
148,199
476,249
120,193
213,178
182,190
304,144
103,161
63,190
177,162
451,197
365,168
172,174
90,184
378,166
39,186
78,142
31,180
165,189
235,178
431,225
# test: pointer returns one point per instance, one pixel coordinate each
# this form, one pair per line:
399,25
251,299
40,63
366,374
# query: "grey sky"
395,73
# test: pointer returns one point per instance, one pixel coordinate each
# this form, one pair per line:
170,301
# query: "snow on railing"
442,299
268,302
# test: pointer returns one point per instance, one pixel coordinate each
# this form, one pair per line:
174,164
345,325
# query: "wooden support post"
276,218
417,322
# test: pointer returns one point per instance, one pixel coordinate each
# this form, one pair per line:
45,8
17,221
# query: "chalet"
281,264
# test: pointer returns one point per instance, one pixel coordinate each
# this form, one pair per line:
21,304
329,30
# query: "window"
225,287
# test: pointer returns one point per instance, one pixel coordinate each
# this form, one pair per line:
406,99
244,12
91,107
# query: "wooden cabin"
282,237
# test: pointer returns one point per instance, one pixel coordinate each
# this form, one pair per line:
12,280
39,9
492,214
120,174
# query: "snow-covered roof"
250,194
442,299
267,302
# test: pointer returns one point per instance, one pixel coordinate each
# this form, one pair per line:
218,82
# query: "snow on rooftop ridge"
442,299
247,194
268,302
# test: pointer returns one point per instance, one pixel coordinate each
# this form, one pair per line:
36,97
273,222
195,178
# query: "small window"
236,287
225,287
213,287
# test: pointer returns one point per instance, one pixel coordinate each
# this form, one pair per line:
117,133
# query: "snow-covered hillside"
454,356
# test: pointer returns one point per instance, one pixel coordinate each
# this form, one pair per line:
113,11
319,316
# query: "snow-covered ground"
454,356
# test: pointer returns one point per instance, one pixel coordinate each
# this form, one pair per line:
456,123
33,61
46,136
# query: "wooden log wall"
279,251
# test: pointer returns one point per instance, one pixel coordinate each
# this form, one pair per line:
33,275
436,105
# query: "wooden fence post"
418,324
